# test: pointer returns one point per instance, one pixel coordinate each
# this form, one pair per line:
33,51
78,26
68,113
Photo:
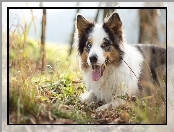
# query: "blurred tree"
108,12
148,26
42,49
98,10
72,35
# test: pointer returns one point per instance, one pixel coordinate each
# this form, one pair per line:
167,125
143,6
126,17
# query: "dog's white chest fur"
116,81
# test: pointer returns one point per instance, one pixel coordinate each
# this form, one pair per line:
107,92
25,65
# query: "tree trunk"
108,12
148,26
43,53
98,10
72,35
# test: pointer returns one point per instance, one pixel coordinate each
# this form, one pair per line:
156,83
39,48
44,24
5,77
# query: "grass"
35,97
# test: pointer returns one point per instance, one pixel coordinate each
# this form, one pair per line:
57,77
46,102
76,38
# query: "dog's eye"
87,47
106,45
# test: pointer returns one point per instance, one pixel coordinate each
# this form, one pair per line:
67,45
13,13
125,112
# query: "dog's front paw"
110,106
104,107
88,97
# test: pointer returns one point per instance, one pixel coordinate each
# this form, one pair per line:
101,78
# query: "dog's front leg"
115,103
88,97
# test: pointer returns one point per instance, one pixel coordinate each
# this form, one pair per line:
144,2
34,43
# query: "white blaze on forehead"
98,34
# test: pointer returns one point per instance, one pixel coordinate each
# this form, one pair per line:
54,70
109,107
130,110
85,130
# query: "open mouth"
97,71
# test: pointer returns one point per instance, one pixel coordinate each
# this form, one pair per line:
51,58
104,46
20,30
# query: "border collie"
112,67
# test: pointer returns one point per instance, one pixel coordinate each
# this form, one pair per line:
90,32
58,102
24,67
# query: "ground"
52,97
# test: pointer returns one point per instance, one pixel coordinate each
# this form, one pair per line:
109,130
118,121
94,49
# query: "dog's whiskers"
106,61
105,64
85,63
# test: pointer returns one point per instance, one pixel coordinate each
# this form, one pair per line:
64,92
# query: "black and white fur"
111,67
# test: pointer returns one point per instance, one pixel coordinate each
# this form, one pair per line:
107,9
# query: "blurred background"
40,41
60,22
141,25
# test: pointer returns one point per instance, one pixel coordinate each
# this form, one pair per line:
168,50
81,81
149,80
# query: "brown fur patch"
114,24
83,25
83,28
113,56
103,43
90,40
84,58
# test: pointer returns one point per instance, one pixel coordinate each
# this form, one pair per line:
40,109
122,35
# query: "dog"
111,67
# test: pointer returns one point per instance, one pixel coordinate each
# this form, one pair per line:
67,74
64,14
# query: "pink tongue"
96,74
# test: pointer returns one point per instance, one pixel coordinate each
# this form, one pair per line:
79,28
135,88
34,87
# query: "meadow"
52,96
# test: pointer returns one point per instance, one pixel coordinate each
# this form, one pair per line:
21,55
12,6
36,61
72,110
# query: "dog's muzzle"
97,69
93,59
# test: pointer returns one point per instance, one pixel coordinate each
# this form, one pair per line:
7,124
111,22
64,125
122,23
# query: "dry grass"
52,97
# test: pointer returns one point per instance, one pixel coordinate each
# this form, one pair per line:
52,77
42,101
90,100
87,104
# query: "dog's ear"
114,23
82,24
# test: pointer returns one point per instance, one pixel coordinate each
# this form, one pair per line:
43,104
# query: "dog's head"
99,45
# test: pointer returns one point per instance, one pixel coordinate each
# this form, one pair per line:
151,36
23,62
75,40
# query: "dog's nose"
93,58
